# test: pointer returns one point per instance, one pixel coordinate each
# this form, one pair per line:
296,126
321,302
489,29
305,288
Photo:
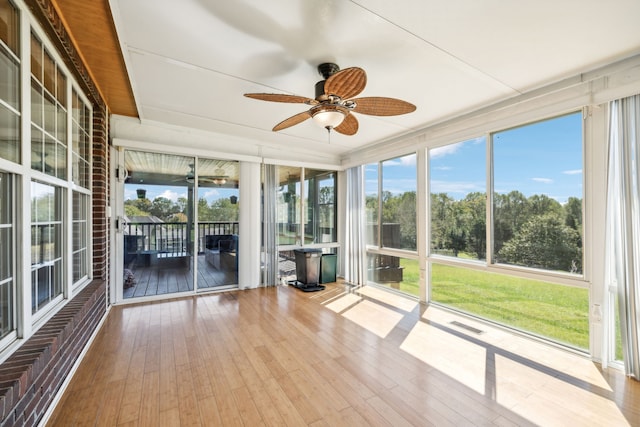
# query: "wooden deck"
168,276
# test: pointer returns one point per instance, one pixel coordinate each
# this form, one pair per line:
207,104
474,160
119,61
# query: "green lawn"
558,312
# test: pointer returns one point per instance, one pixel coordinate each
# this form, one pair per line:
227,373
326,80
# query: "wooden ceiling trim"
53,25
91,26
84,31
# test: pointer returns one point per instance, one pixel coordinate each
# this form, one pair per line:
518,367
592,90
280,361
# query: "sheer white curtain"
354,245
270,252
623,223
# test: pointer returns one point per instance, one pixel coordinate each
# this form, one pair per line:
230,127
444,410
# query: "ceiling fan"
220,178
334,101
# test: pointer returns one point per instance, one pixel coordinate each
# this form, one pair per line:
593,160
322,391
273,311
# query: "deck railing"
172,237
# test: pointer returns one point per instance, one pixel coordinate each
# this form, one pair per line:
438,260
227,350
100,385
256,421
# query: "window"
537,224
459,200
48,113
9,82
390,208
288,205
317,224
371,202
399,203
46,244
7,255
537,195
80,250
320,221
81,146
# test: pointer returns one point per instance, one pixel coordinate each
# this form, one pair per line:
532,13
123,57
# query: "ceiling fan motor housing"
326,70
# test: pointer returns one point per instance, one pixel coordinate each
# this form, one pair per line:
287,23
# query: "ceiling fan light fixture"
328,118
219,181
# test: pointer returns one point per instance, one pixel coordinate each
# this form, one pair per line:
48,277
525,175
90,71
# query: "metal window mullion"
489,221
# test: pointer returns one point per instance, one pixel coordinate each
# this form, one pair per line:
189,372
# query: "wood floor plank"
150,405
278,356
247,409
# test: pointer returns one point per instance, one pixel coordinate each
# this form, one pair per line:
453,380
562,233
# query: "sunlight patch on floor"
463,360
525,389
343,302
373,317
390,298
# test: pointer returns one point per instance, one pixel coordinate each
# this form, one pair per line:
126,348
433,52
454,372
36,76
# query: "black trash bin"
328,264
307,269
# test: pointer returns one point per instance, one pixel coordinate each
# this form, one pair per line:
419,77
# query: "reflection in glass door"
158,230
218,213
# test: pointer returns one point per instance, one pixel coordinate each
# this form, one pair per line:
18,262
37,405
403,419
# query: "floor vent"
467,327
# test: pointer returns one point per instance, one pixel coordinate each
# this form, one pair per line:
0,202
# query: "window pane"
458,199
49,73
61,87
37,104
61,125
80,240
9,25
46,244
538,195
320,187
7,250
9,135
49,114
9,80
36,58
394,272
399,203
554,311
288,201
61,161
50,157
371,202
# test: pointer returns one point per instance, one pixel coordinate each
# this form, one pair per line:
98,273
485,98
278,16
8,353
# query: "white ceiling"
190,61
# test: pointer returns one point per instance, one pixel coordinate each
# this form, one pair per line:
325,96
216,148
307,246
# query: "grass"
558,312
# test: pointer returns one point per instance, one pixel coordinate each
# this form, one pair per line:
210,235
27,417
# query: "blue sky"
541,158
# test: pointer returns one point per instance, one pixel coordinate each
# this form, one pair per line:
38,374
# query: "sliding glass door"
179,224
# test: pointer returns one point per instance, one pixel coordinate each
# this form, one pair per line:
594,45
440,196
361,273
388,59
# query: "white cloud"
171,195
573,172
543,180
409,160
211,193
444,168
445,150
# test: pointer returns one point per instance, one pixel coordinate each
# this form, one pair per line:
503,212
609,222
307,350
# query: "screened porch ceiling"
167,169
188,63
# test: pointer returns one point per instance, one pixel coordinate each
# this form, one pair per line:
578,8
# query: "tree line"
535,231
168,211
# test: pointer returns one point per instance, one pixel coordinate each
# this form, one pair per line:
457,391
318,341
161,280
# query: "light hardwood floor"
340,357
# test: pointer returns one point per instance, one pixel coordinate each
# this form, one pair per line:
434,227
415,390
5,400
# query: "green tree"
223,210
476,226
163,208
573,214
511,211
544,241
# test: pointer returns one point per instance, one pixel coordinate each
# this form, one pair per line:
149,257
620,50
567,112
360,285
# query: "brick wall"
30,377
100,192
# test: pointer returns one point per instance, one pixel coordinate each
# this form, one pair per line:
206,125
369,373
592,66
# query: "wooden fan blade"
346,83
380,106
281,97
291,121
349,125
